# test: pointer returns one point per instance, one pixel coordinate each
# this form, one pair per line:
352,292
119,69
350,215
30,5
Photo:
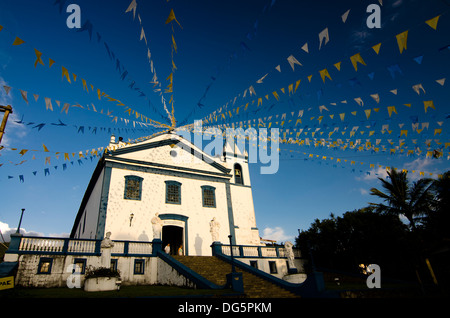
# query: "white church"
169,178
162,211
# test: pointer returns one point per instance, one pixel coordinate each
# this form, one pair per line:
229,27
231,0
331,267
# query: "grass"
124,292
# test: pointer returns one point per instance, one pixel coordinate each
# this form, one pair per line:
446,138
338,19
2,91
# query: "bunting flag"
18,41
401,40
324,73
345,16
292,61
428,104
376,48
172,17
323,37
65,73
433,22
355,59
132,7
38,58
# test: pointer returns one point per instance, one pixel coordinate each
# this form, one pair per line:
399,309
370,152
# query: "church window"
273,267
173,192
133,188
45,265
139,266
209,196
80,265
238,174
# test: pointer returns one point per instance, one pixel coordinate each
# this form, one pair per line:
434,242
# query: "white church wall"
167,275
87,227
153,200
244,216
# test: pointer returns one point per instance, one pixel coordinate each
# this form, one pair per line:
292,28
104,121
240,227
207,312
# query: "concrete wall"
62,266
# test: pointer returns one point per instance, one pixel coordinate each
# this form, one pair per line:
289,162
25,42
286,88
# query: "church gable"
170,152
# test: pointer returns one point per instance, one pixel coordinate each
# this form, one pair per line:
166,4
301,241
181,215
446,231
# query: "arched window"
238,174
173,192
133,188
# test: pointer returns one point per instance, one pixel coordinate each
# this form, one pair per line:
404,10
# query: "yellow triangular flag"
338,66
38,58
401,40
276,95
296,85
18,41
45,148
367,111
376,48
65,73
50,62
433,22
391,109
342,115
427,104
324,73
355,59
172,17
85,85
309,78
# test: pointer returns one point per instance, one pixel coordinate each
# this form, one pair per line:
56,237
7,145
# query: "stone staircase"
215,270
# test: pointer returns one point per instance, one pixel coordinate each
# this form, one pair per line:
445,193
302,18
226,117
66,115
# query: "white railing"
258,251
31,244
79,246
139,248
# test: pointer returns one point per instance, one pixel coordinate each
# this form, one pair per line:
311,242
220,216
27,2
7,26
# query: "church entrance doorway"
173,235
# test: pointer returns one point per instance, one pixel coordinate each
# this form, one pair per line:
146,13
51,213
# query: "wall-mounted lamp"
131,217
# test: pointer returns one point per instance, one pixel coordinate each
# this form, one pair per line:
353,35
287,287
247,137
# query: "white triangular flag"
261,79
323,35
305,47
345,15
292,61
132,6
441,81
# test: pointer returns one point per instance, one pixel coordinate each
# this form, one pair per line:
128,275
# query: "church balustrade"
68,246
244,251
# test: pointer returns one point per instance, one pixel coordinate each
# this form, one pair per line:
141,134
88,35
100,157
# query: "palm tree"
411,201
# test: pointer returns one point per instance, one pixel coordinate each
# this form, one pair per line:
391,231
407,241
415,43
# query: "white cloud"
363,191
7,231
276,234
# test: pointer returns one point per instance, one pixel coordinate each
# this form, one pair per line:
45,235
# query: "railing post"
216,248
12,253
98,246
125,248
65,246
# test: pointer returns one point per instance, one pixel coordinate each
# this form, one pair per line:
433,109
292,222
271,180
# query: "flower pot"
100,284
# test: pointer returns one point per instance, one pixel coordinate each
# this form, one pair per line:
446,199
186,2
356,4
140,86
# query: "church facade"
148,201
167,188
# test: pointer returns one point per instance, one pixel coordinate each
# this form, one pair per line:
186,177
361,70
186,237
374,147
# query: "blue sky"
223,48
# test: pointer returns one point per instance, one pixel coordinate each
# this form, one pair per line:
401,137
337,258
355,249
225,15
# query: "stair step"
215,270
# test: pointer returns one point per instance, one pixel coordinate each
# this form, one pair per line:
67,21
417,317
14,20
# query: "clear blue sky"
223,48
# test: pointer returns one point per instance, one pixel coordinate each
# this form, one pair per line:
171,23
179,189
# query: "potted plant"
101,279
